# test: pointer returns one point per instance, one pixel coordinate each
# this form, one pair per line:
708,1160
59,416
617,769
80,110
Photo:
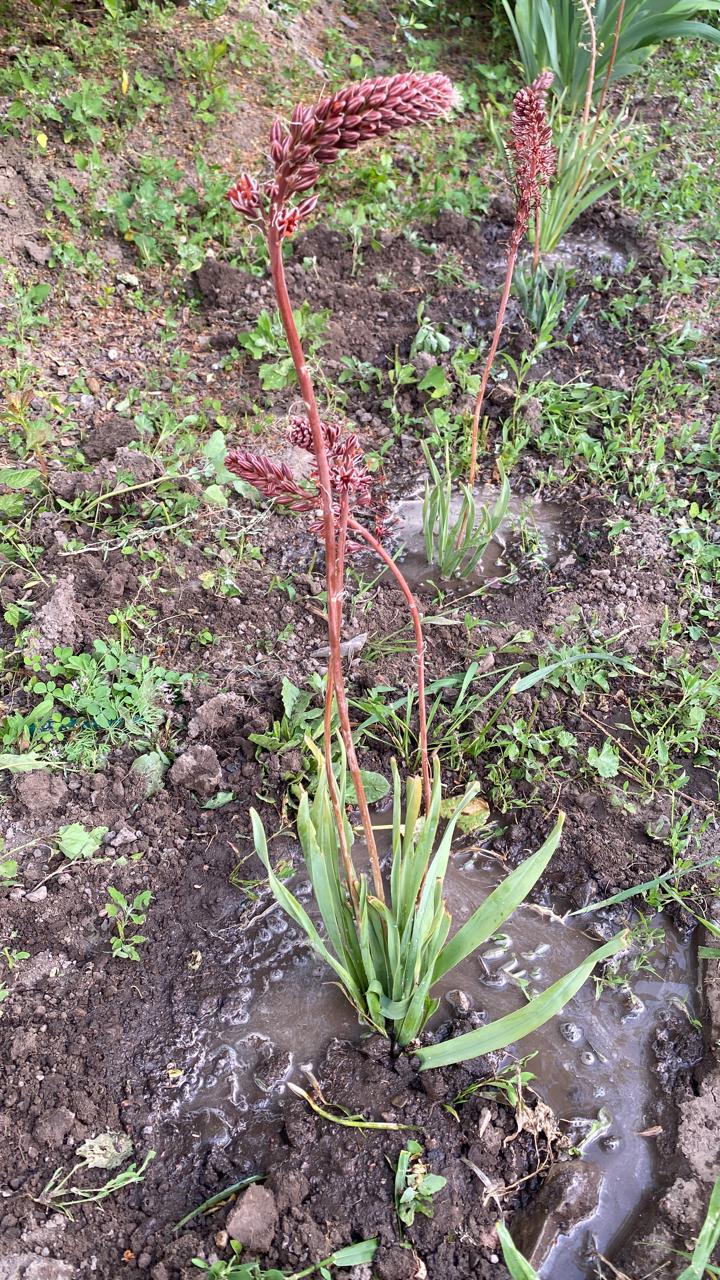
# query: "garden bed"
134,547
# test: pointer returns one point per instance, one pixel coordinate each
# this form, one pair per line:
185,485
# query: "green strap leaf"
294,909
498,906
515,1026
519,1267
534,677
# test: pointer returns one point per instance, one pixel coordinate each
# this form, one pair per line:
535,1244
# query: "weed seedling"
414,1186
124,943
107,1151
75,842
353,1255
13,957
8,873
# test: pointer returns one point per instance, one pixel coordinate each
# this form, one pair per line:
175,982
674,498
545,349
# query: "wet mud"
596,1065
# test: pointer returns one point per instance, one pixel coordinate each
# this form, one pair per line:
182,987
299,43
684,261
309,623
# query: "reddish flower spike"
532,149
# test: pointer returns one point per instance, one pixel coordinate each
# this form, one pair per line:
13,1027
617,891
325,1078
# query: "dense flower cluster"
532,149
541,84
355,114
317,134
273,479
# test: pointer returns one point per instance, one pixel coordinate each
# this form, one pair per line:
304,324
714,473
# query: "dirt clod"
197,770
254,1219
53,1127
218,715
104,440
40,791
569,1195
699,1130
57,621
28,1266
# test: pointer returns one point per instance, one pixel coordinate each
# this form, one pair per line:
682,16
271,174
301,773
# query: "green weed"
124,942
414,1185
85,703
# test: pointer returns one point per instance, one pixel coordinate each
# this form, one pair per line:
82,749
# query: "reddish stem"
387,559
613,56
512,255
334,562
536,246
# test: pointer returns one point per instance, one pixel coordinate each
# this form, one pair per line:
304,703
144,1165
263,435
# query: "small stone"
254,1219
459,1001
124,836
37,895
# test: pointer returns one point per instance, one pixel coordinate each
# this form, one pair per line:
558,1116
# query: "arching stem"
402,582
512,256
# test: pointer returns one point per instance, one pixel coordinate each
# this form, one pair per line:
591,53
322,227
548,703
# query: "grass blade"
297,912
707,1239
534,677
219,1198
673,874
347,1122
354,1255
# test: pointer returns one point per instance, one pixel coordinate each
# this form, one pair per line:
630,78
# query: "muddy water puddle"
593,1064
532,531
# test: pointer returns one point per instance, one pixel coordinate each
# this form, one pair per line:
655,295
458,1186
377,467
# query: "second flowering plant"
388,943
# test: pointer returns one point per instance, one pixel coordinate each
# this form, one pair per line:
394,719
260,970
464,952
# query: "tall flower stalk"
314,137
533,160
388,954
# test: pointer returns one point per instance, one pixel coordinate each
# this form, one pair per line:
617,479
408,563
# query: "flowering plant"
387,953
533,160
